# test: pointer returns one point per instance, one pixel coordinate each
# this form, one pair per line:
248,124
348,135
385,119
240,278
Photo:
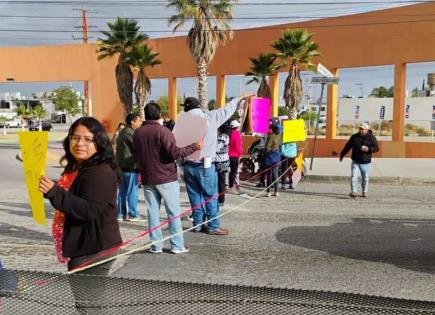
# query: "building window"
4,105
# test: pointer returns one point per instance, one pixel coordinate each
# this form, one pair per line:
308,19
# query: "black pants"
221,186
272,175
234,168
285,166
90,292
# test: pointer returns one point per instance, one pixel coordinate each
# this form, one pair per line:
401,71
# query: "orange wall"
343,41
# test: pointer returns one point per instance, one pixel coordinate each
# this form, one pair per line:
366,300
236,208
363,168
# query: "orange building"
387,37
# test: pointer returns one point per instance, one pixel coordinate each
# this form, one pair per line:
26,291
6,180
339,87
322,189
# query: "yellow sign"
293,130
34,154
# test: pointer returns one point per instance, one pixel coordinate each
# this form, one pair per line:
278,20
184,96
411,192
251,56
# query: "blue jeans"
170,193
201,185
364,169
128,195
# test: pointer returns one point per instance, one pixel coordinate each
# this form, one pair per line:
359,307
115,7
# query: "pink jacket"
236,149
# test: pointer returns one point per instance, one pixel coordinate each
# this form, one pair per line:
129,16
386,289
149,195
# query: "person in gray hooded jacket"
200,175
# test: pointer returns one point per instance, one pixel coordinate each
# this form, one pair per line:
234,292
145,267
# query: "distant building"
419,111
9,102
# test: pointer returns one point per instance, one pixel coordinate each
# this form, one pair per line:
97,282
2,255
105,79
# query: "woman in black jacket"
89,205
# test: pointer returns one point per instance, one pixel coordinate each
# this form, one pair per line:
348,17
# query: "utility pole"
85,41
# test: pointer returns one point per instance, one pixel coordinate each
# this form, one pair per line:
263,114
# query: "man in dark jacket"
363,145
156,153
128,188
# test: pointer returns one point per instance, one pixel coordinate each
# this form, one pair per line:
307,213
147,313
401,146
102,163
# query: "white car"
13,124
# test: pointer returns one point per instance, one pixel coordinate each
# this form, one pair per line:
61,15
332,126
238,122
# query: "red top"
236,149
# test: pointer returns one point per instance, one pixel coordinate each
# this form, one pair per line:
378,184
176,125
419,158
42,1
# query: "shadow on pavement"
319,194
407,244
20,232
26,211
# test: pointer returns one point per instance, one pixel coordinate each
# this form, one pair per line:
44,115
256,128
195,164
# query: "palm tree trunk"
142,90
202,84
124,82
293,91
264,89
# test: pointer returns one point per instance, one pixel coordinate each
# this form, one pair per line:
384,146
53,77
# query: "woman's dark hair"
130,118
102,144
225,128
119,126
275,129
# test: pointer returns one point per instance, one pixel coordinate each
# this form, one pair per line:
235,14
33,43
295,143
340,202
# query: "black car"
33,125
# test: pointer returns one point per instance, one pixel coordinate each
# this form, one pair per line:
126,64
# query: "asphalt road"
312,238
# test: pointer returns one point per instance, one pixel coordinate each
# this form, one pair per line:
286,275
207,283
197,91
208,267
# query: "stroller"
249,165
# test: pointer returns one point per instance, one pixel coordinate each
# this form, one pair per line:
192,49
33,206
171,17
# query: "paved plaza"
314,237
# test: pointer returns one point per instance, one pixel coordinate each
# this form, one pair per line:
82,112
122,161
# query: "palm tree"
39,112
122,37
262,67
141,57
297,47
24,113
209,29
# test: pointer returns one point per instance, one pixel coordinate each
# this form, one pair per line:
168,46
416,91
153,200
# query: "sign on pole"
357,112
324,80
382,112
324,71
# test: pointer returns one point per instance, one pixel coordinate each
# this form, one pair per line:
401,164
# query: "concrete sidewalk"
384,170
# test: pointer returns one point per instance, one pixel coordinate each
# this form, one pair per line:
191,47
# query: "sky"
51,22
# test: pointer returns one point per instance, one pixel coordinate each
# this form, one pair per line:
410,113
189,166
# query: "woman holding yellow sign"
89,204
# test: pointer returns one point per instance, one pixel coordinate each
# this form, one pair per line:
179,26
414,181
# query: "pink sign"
260,113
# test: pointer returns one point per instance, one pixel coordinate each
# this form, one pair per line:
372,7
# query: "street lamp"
361,86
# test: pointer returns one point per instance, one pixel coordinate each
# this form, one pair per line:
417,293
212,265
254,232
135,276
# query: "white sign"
324,71
189,129
324,80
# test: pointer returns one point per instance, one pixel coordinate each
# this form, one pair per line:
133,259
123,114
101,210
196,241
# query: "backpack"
272,158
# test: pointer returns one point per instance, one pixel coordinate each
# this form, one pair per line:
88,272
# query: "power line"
234,18
245,29
165,3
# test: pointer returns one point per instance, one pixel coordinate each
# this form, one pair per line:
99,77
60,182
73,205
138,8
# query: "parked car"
33,125
322,123
13,124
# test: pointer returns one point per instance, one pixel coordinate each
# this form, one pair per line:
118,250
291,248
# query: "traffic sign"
324,71
324,80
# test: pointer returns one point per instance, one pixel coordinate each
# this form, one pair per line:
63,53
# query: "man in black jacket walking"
363,144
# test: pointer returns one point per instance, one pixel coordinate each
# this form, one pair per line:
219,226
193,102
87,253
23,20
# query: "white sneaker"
180,251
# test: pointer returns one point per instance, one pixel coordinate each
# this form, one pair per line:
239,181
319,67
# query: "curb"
393,180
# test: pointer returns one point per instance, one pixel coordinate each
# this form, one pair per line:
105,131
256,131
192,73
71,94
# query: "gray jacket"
215,119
